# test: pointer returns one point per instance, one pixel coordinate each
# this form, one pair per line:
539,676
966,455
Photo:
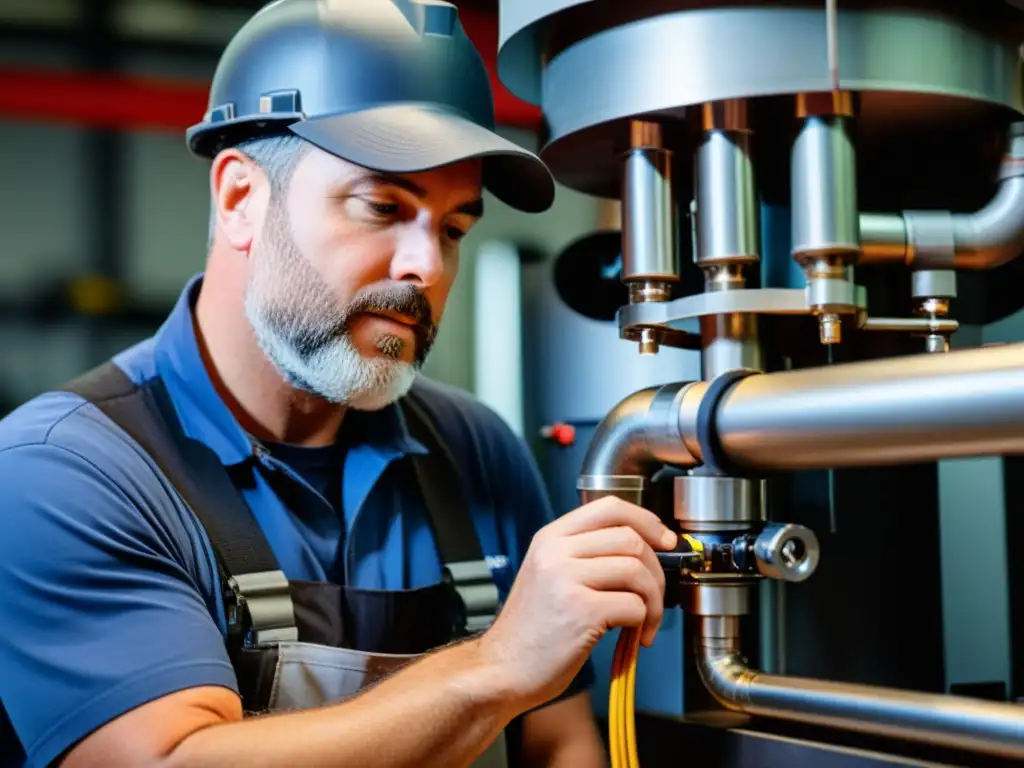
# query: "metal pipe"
941,240
897,410
952,721
639,434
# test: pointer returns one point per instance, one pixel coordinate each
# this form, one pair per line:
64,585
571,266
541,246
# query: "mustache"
403,300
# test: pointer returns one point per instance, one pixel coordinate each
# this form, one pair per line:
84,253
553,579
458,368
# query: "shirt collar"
206,418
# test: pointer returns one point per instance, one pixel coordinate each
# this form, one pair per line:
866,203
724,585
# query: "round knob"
787,552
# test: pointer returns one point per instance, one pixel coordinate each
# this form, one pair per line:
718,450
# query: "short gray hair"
278,155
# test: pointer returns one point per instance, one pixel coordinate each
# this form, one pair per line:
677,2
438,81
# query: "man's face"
350,272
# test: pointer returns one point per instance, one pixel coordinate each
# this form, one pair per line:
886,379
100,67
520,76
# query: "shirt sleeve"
101,607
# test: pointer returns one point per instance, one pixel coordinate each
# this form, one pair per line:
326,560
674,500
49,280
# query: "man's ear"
236,183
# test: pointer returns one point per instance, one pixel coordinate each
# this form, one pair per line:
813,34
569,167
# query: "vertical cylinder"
825,218
729,342
649,218
727,222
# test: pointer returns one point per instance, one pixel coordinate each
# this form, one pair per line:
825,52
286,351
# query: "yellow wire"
621,705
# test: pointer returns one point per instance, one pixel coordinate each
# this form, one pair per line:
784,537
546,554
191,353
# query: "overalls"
299,644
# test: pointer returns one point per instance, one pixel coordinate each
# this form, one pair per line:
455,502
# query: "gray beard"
303,332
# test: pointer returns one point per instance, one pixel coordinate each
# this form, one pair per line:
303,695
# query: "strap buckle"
476,589
263,608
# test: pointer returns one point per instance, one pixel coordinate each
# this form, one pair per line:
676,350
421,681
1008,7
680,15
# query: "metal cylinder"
728,597
727,221
933,283
951,721
649,217
825,218
709,504
899,410
883,239
729,342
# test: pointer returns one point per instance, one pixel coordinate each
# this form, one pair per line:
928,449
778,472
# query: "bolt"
648,342
936,342
829,328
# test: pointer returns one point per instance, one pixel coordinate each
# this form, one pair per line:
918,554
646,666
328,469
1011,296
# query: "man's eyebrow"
474,208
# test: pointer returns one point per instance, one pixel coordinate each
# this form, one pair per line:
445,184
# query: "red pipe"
133,103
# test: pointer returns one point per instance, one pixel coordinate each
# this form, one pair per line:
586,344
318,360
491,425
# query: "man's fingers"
610,512
621,609
621,541
625,574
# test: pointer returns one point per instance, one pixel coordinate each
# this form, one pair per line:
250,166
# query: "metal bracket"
264,601
475,585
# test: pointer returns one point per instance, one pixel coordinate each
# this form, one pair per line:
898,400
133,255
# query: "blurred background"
103,218
103,210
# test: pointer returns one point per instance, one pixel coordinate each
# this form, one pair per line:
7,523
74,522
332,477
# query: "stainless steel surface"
682,314
727,203
898,410
730,597
933,283
729,342
824,190
638,434
938,239
910,325
972,724
936,343
628,487
601,63
650,225
883,238
709,504
787,552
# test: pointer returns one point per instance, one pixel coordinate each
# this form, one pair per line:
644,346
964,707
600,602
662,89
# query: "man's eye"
382,209
455,234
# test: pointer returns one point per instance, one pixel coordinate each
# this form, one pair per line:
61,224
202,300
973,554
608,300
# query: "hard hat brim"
409,138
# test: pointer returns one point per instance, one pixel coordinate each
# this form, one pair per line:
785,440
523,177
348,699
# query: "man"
259,538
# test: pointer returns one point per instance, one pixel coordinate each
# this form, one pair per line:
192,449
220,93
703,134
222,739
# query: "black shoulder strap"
247,564
440,482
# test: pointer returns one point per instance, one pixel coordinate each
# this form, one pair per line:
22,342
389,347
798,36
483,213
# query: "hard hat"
391,85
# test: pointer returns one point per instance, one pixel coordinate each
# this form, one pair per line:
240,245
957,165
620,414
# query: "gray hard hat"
391,85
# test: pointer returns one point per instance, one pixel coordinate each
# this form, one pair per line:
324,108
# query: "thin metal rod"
911,324
951,721
831,24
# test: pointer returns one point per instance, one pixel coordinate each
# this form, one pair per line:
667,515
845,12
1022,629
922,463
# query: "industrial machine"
809,195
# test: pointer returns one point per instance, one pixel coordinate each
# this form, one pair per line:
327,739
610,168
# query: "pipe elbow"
726,677
638,435
994,235
619,446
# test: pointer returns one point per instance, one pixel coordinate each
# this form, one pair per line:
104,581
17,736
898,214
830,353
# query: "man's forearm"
443,710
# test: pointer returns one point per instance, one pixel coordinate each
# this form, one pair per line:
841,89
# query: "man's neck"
265,405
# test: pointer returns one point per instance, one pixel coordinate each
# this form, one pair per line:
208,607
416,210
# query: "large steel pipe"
893,411
899,410
971,724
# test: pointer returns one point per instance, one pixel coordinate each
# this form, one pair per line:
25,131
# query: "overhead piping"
942,240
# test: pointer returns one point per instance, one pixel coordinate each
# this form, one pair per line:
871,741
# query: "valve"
786,552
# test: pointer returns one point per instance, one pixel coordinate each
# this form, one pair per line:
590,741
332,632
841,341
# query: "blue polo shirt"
109,594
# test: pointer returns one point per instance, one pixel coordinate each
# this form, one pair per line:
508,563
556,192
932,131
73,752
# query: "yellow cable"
621,705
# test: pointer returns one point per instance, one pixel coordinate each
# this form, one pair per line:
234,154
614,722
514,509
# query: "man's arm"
591,570
441,711
564,735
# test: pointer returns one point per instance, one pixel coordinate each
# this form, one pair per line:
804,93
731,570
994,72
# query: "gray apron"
300,644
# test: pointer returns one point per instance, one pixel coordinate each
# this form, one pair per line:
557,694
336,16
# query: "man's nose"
419,258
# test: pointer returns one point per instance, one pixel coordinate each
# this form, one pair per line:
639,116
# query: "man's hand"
592,569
